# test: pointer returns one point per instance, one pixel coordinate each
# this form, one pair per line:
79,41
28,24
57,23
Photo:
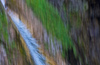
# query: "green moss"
13,45
4,34
52,21
3,25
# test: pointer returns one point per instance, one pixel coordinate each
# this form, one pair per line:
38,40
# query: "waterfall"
31,43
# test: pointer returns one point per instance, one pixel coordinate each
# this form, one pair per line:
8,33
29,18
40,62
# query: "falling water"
31,43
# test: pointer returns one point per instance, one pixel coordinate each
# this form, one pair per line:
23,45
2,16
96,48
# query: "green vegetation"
52,22
3,25
3,30
4,35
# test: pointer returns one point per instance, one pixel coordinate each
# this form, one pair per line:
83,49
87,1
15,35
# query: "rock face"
3,56
94,32
86,38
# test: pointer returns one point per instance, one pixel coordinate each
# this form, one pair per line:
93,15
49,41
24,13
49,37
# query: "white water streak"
30,41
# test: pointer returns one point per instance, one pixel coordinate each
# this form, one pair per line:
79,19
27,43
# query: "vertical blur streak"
30,42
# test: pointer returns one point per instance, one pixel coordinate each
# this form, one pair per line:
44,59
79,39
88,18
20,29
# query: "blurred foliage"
52,22
3,25
3,29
